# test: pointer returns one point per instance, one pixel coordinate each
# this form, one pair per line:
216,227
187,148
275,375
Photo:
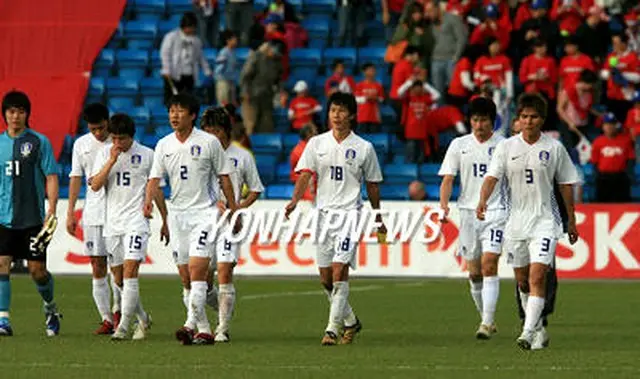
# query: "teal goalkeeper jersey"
27,160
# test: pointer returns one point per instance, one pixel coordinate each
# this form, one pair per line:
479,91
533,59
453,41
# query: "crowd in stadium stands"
413,66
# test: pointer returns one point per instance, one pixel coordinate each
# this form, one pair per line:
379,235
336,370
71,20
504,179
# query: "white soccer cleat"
485,332
119,335
222,337
525,340
540,339
141,328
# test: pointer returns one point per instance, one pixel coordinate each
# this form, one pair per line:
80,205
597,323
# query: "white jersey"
341,169
125,189
85,151
191,167
530,171
244,172
471,158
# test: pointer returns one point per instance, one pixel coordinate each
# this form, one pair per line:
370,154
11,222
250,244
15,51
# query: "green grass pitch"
413,328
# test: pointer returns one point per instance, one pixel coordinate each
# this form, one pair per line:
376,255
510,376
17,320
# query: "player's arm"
158,198
497,169
49,168
153,187
252,179
52,193
446,188
301,185
566,190
227,190
372,177
99,180
373,191
448,170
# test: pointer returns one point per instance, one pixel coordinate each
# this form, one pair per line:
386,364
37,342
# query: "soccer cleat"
485,332
525,340
117,316
185,335
329,339
106,327
53,324
223,337
212,299
350,332
5,327
540,339
142,327
119,335
203,339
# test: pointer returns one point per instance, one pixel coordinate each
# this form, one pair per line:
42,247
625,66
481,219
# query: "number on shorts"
479,169
227,245
32,245
344,246
528,173
336,172
546,245
202,241
183,172
496,235
123,178
135,242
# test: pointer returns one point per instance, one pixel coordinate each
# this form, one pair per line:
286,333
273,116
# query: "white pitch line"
305,293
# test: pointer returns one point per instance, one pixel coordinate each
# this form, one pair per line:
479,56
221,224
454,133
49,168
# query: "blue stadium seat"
317,88
283,172
96,87
116,38
179,6
397,146
155,64
149,140
165,27
266,143
281,120
455,192
635,192
394,192
104,63
380,142
210,55
159,115
400,173
319,7
289,141
373,55
432,191
347,54
152,90
374,29
140,34
140,116
317,43
388,114
132,63
149,8
317,26
429,173
306,74
296,4
117,103
280,191
589,173
122,87
397,159
266,164
163,130
260,5
637,172
305,58
242,53
445,138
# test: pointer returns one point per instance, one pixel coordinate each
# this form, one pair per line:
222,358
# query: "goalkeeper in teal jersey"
30,173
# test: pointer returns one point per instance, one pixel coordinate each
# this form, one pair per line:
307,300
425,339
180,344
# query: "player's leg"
226,257
469,250
96,250
212,291
180,246
5,295
115,277
474,266
491,243
550,293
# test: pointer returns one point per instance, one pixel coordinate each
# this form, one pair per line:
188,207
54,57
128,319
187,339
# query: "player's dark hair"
16,99
346,100
187,101
588,76
533,101
482,106
238,132
188,20
95,113
121,124
217,118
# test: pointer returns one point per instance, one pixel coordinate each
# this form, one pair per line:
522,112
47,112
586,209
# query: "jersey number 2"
12,168
183,172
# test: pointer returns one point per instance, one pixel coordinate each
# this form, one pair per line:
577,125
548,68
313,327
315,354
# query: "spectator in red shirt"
632,123
274,31
574,108
495,68
490,29
613,158
402,71
462,85
306,132
622,73
339,81
523,13
419,97
369,93
538,73
572,64
391,12
569,14
303,107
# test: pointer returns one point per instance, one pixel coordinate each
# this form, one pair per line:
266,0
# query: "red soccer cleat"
105,328
116,319
185,335
203,339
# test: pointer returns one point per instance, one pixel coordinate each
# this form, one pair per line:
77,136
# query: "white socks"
197,301
101,297
490,292
339,301
476,295
226,302
349,316
524,297
185,297
117,296
534,308
130,302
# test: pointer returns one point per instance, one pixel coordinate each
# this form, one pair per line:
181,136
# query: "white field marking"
269,295
351,367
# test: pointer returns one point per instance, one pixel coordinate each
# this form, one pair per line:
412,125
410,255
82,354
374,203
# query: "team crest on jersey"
136,159
350,155
234,161
544,156
26,149
195,151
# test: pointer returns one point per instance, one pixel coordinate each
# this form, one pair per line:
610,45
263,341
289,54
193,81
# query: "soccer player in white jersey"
191,158
217,122
85,150
530,161
122,169
480,242
342,162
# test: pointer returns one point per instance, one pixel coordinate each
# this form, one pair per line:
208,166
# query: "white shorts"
340,247
94,245
225,251
130,246
521,253
191,234
478,237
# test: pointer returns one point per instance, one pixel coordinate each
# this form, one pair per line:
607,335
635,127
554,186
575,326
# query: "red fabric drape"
48,48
